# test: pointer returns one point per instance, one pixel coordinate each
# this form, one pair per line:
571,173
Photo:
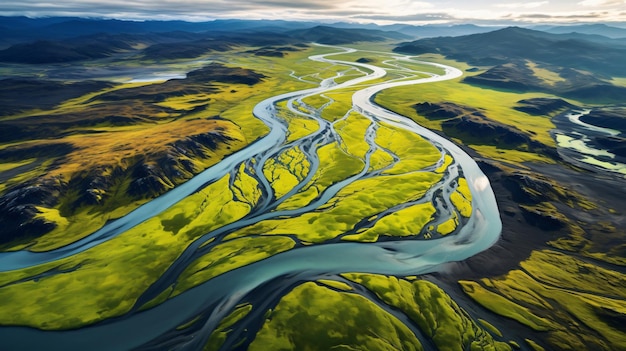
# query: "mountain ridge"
515,43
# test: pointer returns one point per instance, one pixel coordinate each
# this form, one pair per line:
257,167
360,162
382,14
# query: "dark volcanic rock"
598,92
473,126
221,73
614,145
18,214
181,50
513,76
608,118
478,126
41,94
154,179
532,189
147,181
542,219
23,152
269,53
45,51
542,106
443,110
94,187
527,189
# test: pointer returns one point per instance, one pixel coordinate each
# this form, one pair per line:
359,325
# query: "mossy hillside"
333,320
114,201
430,308
102,158
184,114
509,156
495,104
551,283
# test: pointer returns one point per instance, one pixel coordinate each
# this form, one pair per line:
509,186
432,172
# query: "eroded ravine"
214,299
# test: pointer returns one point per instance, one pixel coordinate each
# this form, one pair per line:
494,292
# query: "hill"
42,94
178,149
595,29
514,43
179,44
23,29
44,51
432,31
332,35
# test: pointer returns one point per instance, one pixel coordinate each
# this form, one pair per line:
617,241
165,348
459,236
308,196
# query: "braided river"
263,282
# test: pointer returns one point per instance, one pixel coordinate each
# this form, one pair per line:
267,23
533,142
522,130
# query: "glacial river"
262,283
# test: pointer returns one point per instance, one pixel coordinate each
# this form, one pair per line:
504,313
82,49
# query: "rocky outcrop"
479,126
143,177
442,110
543,106
543,218
473,126
510,76
614,145
167,169
19,215
613,118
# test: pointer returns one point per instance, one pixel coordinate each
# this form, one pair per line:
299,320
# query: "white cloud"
387,11
523,5
597,3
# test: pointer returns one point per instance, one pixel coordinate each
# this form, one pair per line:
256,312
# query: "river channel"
262,283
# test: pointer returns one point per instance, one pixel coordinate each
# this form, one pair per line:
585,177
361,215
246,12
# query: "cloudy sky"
379,11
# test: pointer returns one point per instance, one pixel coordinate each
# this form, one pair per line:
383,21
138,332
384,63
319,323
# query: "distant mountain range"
180,44
597,29
332,35
596,47
20,29
579,51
